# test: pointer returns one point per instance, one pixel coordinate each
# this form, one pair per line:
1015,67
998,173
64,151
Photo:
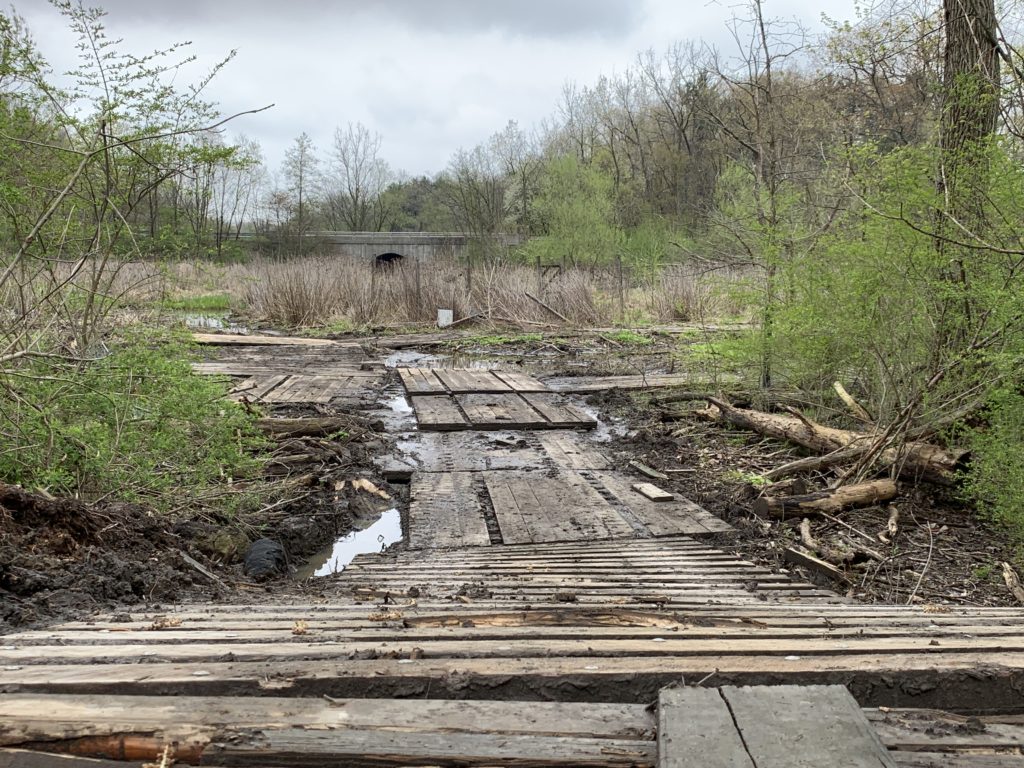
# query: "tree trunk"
832,501
915,460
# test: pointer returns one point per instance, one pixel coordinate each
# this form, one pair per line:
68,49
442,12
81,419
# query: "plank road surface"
540,612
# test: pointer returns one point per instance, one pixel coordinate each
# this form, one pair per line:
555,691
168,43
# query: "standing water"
376,538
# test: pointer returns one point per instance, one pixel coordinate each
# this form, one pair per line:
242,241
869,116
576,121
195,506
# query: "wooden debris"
855,408
554,312
799,556
643,469
362,484
199,567
316,426
1013,582
915,459
860,495
652,492
235,340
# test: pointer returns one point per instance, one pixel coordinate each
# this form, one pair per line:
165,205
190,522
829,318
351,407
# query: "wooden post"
622,294
419,292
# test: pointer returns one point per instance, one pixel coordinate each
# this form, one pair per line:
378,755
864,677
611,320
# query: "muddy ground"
60,557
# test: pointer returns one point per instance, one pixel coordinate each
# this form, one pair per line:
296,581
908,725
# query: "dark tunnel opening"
388,259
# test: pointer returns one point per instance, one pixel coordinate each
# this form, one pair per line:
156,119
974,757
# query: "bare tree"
357,202
301,172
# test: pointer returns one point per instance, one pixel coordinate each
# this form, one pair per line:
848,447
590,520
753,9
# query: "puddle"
605,431
396,412
333,559
214,323
410,358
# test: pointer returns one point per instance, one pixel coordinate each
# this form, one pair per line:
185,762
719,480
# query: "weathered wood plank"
521,648
29,717
558,412
652,492
437,413
464,381
668,518
444,510
257,388
421,381
805,727
990,682
299,747
569,451
520,382
695,728
543,506
23,758
500,411
229,339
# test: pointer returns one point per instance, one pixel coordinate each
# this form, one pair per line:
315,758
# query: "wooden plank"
558,412
438,413
228,339
695,728
669,518
421,381
261,386
500,411
297,746
23,758
47,717
521,382
444,510
805,727
938,680
476,627
464,381
652,492
559,506
569,451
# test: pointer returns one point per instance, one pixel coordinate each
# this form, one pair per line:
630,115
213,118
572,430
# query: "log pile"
848,469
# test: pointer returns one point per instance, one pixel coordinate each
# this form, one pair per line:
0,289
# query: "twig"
927,562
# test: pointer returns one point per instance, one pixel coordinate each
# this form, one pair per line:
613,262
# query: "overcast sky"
429,75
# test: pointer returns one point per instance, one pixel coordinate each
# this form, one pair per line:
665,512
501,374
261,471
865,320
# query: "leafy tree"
576,214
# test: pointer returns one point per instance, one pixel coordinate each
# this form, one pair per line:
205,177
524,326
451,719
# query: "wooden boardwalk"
543,612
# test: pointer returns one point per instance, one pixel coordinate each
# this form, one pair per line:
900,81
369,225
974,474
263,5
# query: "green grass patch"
629,337
498,340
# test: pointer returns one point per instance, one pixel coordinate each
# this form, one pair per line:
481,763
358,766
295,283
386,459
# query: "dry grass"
321,291
326,290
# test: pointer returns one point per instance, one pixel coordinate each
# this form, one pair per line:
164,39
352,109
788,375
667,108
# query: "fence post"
622,292
419,293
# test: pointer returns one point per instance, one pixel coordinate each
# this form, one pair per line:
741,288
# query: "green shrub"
137,424
995,481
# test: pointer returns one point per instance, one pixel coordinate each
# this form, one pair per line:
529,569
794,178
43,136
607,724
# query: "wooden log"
1013,582
799,556
316,426
856,408
860,495
915,460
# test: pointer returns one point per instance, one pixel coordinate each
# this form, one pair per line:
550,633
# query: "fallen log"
829,501
317,426
553,311
799,556
915,460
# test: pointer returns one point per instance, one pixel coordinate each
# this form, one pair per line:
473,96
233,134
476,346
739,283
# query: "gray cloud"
430,76
537,18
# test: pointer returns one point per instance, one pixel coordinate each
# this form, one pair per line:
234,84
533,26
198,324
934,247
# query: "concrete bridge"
394,246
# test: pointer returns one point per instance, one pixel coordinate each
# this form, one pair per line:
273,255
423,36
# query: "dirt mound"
61,556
